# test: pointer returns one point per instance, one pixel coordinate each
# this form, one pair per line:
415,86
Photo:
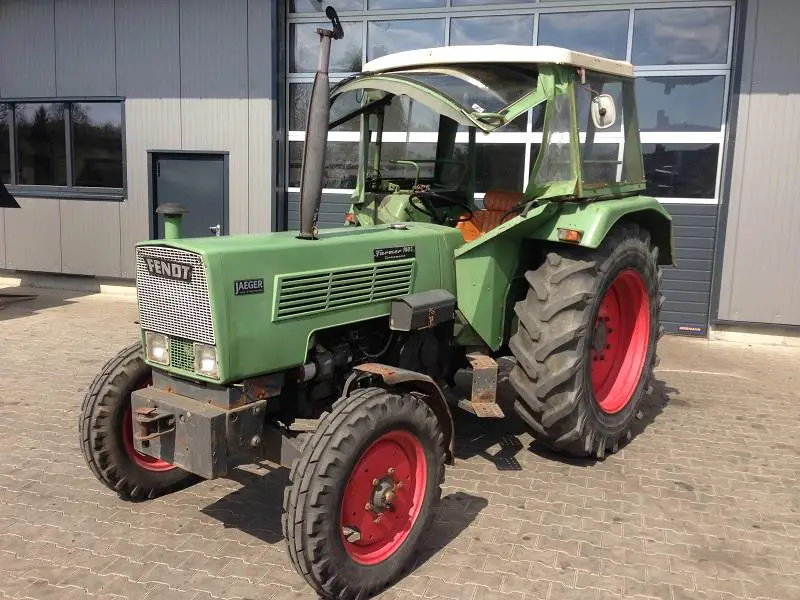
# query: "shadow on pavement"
495,440
456,513
649,410
256,507
20,302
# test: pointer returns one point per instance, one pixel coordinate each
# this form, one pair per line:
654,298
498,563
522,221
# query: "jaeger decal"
248,286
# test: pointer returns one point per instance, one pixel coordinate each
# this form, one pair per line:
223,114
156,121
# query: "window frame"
69,191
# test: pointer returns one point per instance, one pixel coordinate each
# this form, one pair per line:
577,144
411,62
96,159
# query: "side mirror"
604,112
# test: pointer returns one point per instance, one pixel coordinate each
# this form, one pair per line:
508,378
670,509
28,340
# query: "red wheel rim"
372,531
141,460
619,341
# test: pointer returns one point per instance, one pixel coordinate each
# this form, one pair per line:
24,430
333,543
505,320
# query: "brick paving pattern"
704,504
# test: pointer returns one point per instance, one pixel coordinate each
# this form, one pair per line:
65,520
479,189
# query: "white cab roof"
498,53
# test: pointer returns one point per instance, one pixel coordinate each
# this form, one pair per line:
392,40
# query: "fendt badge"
168,269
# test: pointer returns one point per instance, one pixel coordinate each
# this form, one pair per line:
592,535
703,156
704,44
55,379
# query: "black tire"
553,339
101,430
318,479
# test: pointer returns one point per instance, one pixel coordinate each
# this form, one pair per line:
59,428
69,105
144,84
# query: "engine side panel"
270,293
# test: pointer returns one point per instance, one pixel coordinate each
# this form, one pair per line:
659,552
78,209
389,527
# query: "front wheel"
106,432
585,342
363,493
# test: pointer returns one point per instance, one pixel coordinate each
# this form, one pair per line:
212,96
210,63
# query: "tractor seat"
497,203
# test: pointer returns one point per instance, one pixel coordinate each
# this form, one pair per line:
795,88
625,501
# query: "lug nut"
368,506
375,482
391,470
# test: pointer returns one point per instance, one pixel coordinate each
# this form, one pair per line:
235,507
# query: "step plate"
484,386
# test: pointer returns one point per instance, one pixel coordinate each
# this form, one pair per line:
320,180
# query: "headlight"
205,360
157,347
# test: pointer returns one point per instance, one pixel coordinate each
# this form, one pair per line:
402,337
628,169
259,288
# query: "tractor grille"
181,354
300,295
177,308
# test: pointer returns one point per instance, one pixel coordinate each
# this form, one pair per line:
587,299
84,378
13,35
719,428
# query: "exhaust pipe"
317,132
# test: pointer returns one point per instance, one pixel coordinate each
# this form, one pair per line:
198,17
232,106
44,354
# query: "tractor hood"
258,299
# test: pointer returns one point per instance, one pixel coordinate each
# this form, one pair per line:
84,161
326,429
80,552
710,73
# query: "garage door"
682,54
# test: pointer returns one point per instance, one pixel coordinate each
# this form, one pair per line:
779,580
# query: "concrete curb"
755,337
112,287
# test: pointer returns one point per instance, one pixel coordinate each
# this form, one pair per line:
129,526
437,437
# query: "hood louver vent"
301,295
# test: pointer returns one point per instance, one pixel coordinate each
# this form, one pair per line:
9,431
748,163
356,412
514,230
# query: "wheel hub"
600,336
384,493
383,497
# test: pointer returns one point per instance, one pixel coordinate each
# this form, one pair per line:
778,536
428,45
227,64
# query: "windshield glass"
475,88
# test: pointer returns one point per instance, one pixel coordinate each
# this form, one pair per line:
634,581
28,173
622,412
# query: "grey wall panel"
687,286
90,238
214,91
33,235
151,125
222,125
761,262
148,48
85,48
148,75
3,238
27,48
213,49
262,127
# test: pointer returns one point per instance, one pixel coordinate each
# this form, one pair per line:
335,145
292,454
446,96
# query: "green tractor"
334,352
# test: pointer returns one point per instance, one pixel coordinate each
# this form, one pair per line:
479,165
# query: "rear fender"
487,266
595,219
412,381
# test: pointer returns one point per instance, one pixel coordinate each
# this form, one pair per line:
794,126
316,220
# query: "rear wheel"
106,432
585,341
363,493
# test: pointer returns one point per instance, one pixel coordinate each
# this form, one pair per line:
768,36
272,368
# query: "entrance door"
197,181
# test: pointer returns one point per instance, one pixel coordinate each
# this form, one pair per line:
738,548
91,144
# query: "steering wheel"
427,208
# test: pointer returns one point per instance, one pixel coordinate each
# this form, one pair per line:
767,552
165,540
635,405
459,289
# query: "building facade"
108,107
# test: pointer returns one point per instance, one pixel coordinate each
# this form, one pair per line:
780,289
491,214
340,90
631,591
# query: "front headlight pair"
205,356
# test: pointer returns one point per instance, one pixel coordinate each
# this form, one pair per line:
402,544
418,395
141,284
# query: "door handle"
216,230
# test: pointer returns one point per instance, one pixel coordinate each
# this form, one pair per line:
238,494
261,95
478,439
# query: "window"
556,153
311,6
41,144
674,36
681,170
393,4
97,144
76,147
5,143
388,37
345,53
498,166
604,33
517,29
684,103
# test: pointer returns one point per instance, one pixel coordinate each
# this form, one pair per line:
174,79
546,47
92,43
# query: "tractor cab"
420,113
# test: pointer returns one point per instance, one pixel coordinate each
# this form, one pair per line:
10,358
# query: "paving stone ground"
703,504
